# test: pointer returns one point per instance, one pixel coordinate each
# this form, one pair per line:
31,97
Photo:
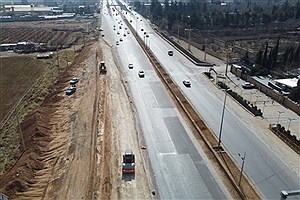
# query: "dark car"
186,83
130,66
170,53
70,90
141,74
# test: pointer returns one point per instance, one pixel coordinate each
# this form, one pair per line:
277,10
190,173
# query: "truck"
128,165
102,67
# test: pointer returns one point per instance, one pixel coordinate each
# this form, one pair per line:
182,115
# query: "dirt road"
75,142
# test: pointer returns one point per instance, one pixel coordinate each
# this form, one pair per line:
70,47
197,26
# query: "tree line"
204,15
271,59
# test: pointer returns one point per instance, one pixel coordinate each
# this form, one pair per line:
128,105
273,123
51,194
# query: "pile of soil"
36,139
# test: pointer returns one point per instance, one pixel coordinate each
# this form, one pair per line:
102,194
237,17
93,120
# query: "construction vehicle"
128,165
102,68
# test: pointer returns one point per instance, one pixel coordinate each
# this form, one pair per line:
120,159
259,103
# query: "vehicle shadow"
128,177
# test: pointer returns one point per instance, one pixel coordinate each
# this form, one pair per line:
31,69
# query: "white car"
130,66
141,74
248,85
74,80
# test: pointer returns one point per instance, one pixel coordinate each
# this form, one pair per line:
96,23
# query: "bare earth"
75,143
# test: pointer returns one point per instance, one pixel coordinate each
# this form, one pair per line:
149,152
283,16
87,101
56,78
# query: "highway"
180,168
267,172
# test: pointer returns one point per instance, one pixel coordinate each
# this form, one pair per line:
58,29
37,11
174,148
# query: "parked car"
74,80
186,83
121,40
130,66
170,53
117,42
248,85
70,90
141,74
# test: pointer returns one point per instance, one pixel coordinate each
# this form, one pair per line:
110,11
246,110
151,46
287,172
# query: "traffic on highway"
180,167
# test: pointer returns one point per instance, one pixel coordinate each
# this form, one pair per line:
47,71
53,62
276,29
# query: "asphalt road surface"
180,168
269,173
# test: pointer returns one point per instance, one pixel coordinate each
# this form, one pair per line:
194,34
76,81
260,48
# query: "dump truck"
102,67
128,165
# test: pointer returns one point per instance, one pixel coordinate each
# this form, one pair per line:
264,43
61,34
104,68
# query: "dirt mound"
36,138
41,130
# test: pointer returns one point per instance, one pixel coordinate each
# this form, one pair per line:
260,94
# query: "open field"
30,80
17,75
53,33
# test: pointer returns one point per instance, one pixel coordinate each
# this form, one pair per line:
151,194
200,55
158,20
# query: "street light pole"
222,119
279,113
264,105
189,45
289,123
136,31
243,159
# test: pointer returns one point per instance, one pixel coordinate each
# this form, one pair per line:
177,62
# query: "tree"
264,61
295,94
258,59
274,55
246,57
297,56
297,10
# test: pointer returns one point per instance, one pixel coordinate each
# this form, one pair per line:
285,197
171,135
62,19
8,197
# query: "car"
70,90
141,74
74,80
247,85
124,34
187,83
130,21
170,53
114,29
117,42
130,66
118,33
142,29
121,40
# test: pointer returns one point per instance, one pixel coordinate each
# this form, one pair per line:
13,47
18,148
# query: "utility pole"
20,130
222,119
227,58
243,159
189,47
178,33
57,57
205,50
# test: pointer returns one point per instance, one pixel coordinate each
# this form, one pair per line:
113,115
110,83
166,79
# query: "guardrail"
207,135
